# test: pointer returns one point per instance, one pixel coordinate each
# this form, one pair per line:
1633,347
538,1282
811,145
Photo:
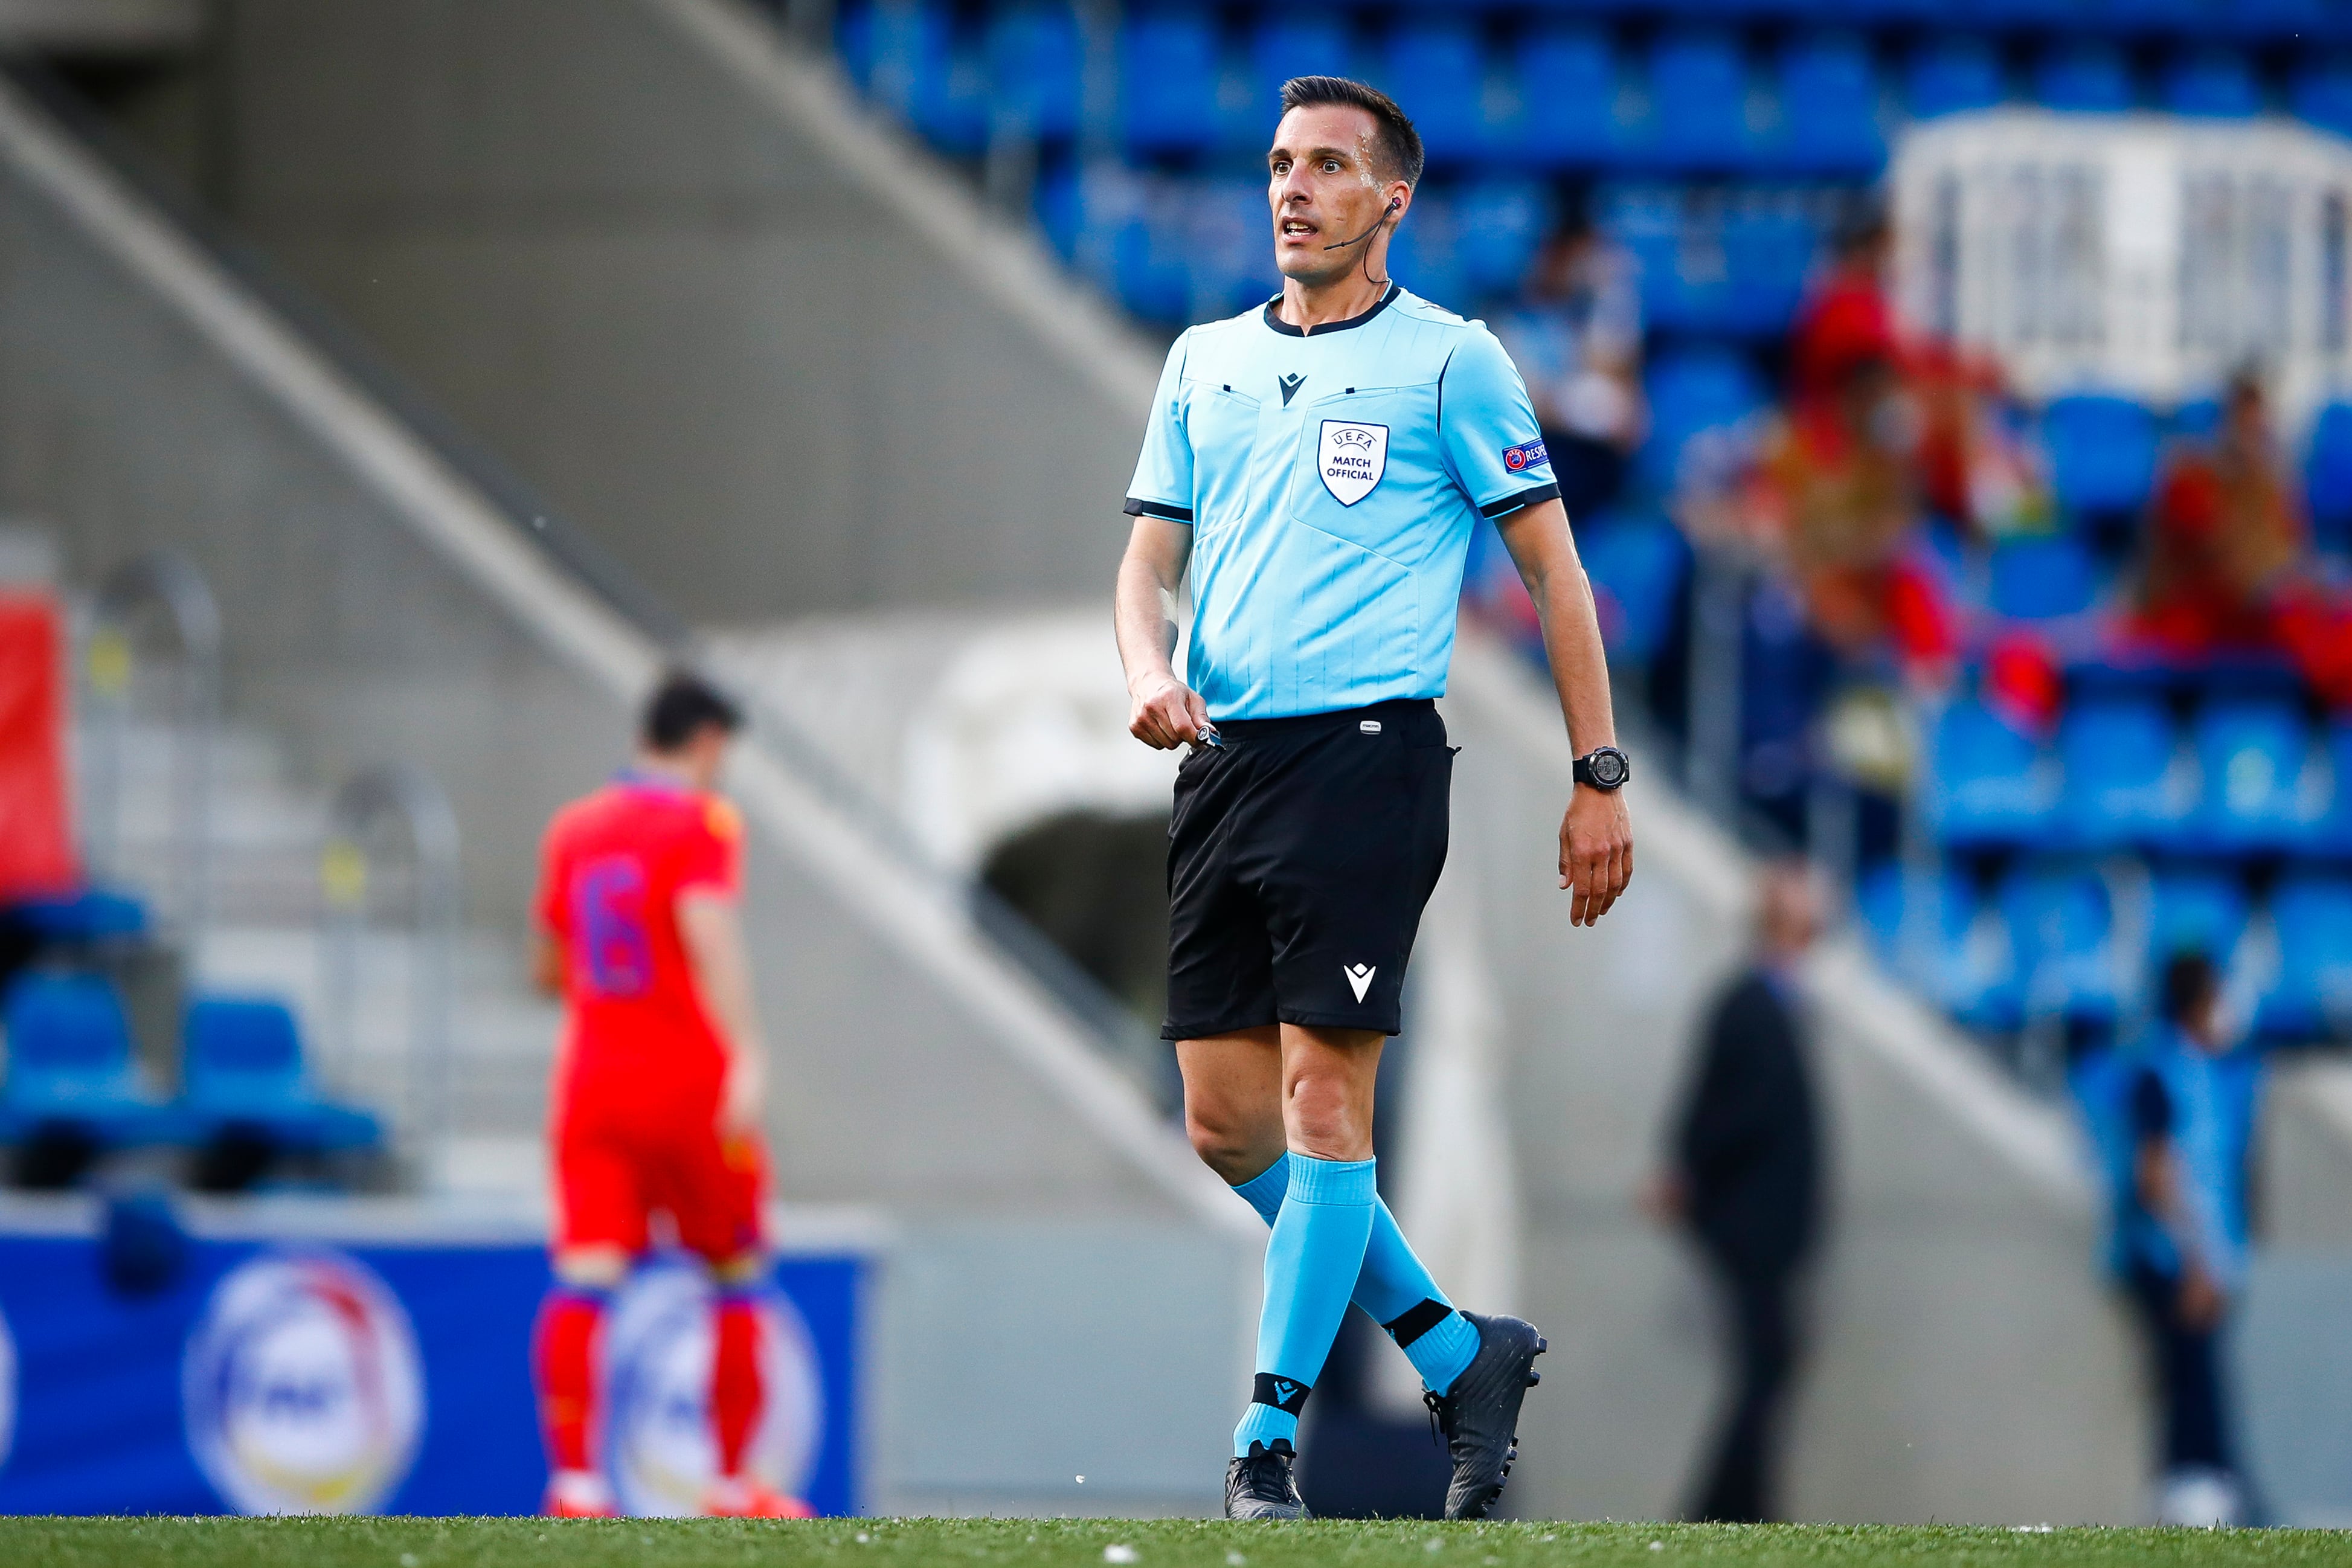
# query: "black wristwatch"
1604,768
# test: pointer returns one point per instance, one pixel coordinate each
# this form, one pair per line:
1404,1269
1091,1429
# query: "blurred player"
1318,465
658,1081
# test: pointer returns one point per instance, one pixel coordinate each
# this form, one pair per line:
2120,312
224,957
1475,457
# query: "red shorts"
620,1159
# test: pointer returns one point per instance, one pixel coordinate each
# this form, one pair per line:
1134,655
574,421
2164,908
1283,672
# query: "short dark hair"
1395,142
2190,985
681,706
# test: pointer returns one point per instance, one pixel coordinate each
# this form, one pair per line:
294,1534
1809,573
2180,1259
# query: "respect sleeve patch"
1520,458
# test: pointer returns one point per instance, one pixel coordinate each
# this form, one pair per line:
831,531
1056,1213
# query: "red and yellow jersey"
613,867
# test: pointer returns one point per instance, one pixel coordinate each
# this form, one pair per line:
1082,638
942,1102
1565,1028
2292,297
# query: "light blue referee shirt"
1331,478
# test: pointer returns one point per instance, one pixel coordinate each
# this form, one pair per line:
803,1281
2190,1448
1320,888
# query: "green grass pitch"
1085,1544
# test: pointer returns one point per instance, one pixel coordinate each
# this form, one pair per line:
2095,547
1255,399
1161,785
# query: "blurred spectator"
1577,338
1847,316
2182,1229
2223,534
1830,486
2228,562
1976,469
1744,1178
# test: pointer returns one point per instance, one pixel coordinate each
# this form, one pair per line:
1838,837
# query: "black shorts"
1299,857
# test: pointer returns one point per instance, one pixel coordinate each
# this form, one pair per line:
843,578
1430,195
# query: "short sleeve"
710,856
1487,429
1163,474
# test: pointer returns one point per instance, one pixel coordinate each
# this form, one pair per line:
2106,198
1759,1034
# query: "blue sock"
1393,1288
1312,1265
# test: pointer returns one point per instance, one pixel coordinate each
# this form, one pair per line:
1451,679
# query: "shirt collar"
643,779
1387,299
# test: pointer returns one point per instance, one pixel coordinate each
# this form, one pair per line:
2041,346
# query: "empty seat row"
1566,94
2244,777
1178,250
1721,269
2066,943
70,1073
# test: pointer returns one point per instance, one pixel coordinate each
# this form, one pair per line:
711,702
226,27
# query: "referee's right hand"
1163,711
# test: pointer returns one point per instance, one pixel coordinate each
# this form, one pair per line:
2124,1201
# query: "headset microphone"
1394,203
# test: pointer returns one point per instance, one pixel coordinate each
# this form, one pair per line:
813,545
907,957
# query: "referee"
1319,464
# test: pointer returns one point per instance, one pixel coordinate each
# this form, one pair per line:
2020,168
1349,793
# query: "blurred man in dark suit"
1744,1178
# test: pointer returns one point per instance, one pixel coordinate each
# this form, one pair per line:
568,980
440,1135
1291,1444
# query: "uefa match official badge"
1353,459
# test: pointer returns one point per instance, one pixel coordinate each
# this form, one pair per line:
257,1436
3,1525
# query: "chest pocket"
1223,426
1356,454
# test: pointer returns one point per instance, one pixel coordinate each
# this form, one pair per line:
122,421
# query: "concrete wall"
746,373
123,426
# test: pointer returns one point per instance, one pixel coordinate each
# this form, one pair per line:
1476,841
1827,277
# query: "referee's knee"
1226,1147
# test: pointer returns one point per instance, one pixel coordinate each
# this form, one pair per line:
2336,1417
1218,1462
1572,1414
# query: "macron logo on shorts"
1359,977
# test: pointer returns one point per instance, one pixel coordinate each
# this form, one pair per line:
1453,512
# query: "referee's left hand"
1596,852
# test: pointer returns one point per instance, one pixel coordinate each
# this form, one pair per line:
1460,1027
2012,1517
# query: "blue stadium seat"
1503,224
1988,784
2217,82
2038,578
2125,781
1426,255
2253,756
1227,249
2061,926
2103,454
93,914
1568,88
2083,74
1060,208
2197,417
853,40
1133,243
1649,224
1958,953
1168,82
1829,106
1439,69
1284,44
243,1067
2320,90
2313,994
923,69
1036,69
2327,477
69,1066
1948,75
1699,102
1636,564
2195,911
1691,390
2334,836
1771,250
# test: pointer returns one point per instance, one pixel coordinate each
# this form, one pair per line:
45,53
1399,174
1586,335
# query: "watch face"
1609,769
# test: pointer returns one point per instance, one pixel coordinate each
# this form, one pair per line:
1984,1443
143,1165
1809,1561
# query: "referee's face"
1324,190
